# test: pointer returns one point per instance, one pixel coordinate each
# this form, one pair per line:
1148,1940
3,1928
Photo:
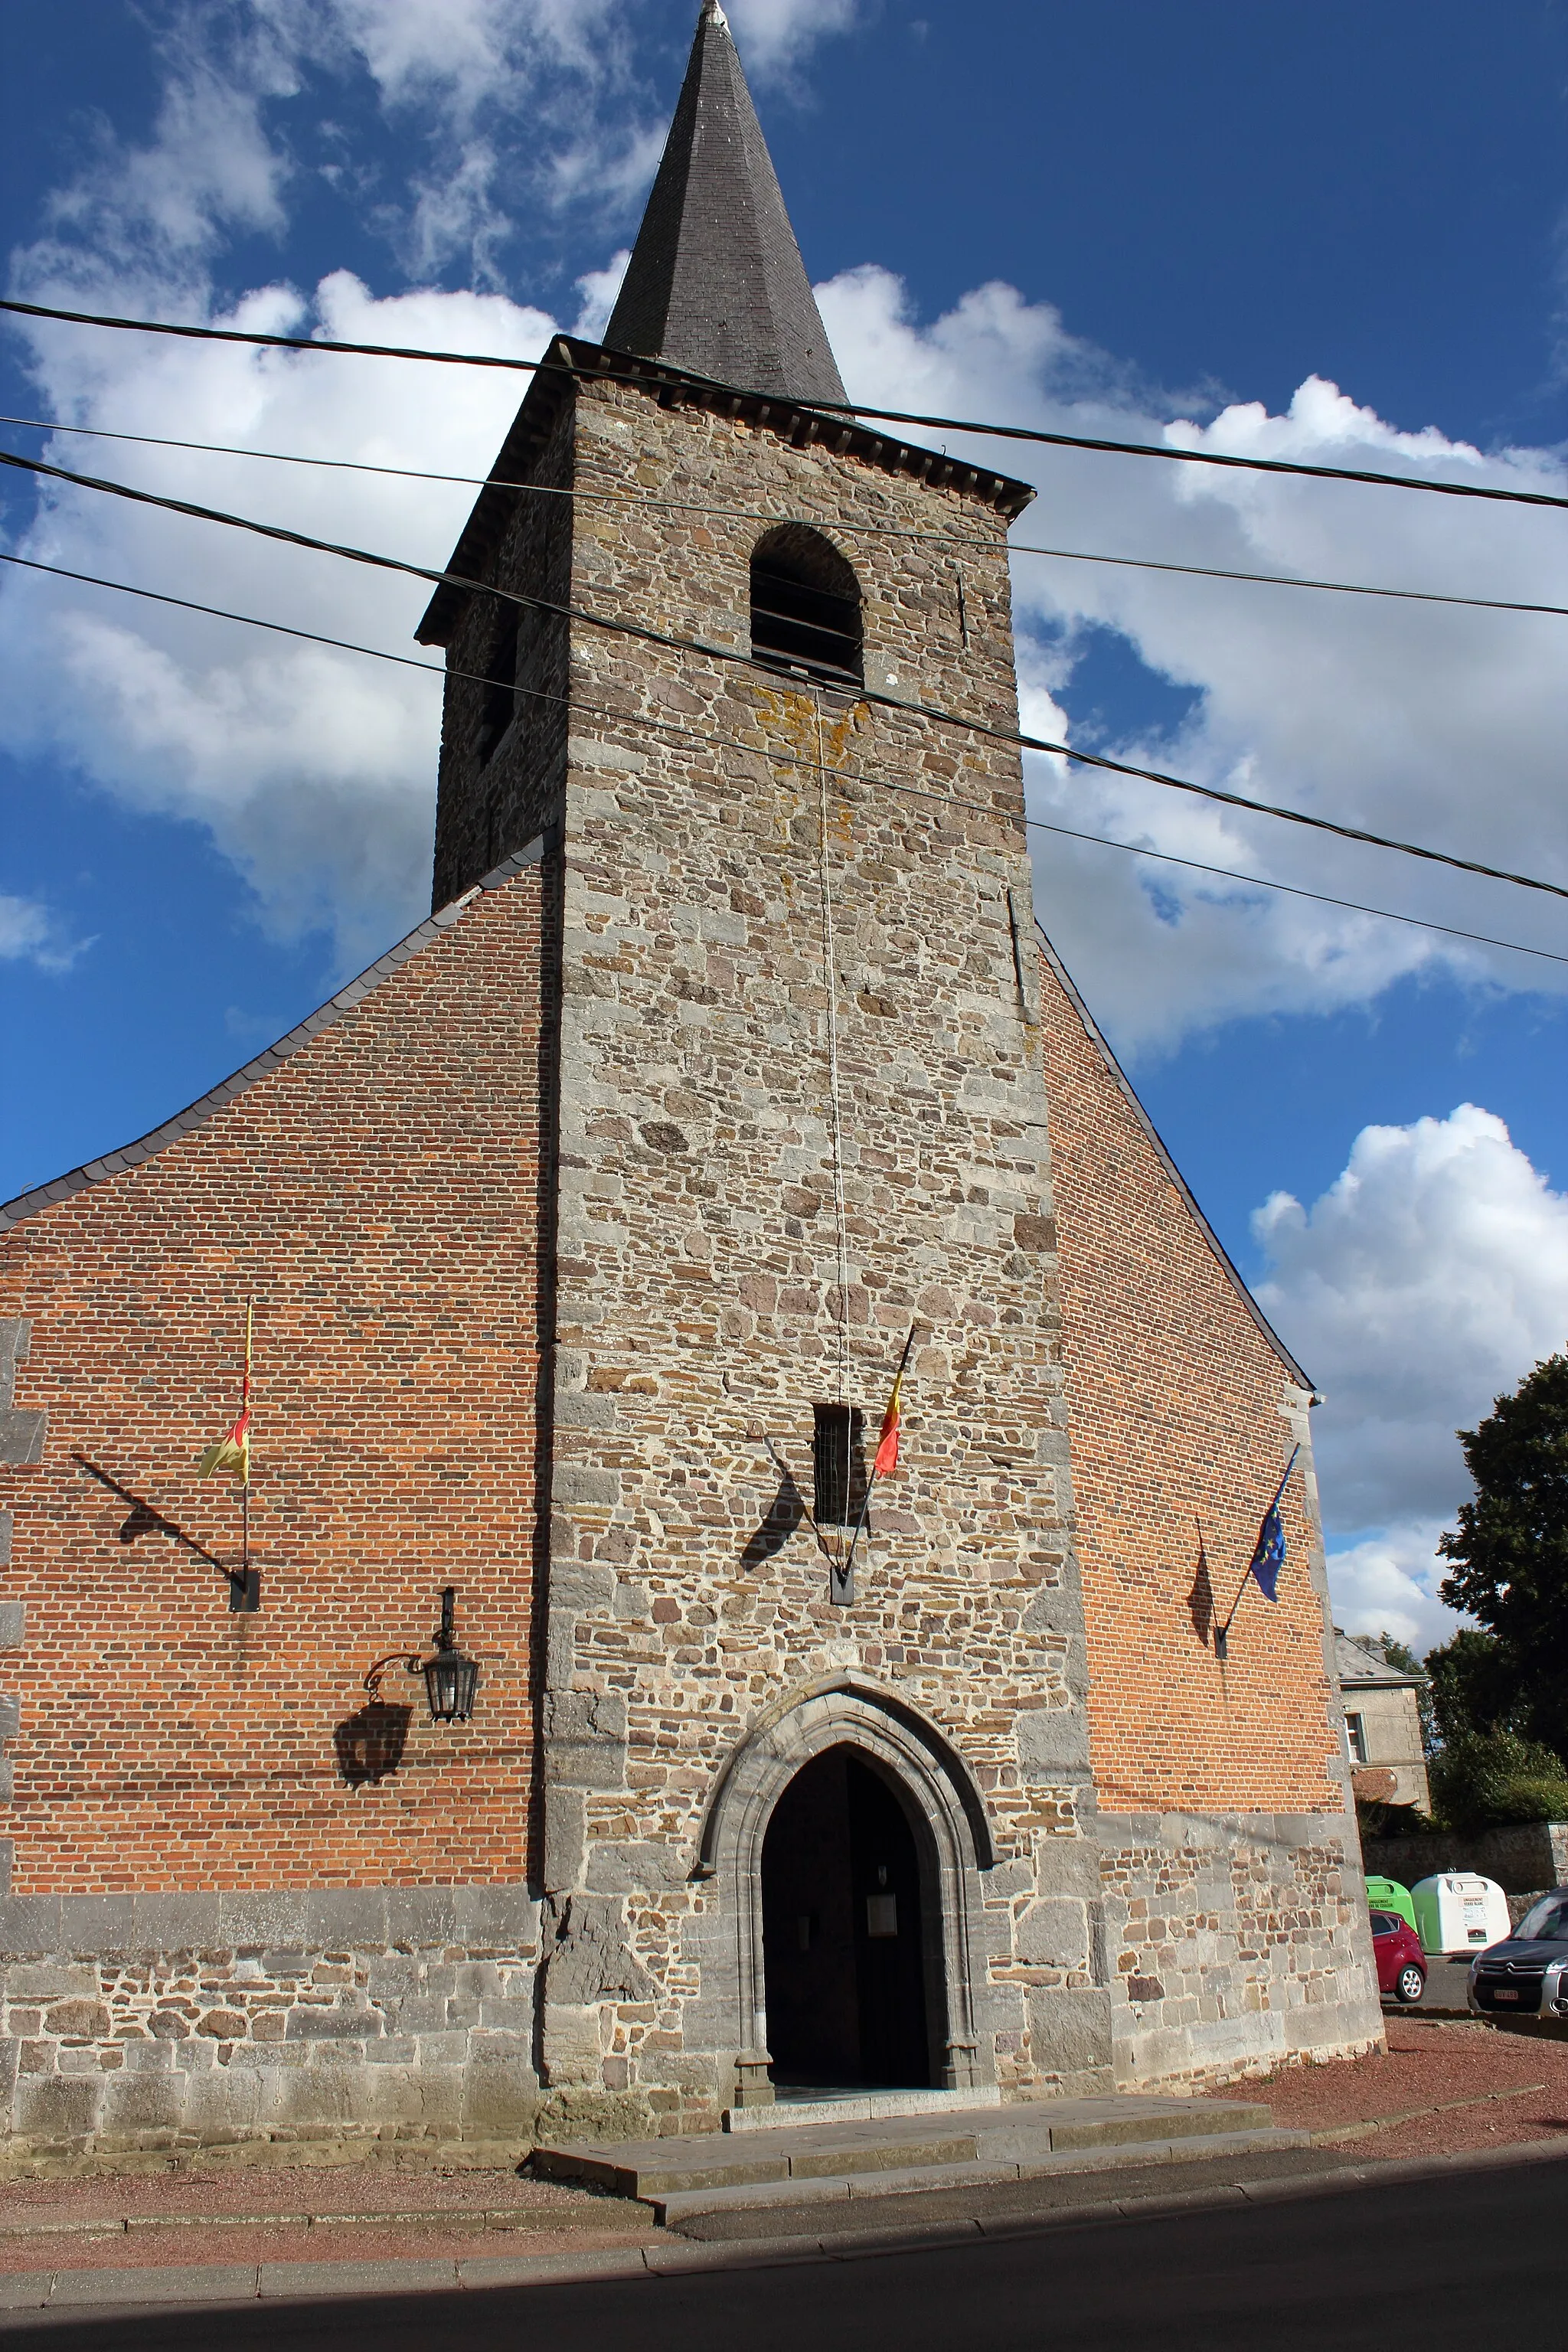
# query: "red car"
1401,1962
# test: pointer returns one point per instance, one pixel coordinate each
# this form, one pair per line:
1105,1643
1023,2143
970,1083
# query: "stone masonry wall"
1235,1942
489,805
166,2023
380,1193
698,1303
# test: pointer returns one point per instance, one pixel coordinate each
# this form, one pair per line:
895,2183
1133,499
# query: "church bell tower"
814,1800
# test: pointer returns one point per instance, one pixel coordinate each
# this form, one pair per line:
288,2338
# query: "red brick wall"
380,1194
1174,1399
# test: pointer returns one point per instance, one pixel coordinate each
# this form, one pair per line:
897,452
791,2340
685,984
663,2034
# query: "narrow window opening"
805,609
1355,1738
838,1465
498,702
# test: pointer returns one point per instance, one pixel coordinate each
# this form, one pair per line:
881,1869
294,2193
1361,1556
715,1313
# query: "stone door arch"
950,1815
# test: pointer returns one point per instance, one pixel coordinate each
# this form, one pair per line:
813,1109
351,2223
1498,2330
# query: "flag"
1268,1555
887,1454
232,1453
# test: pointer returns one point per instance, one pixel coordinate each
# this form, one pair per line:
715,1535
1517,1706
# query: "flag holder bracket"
243,1582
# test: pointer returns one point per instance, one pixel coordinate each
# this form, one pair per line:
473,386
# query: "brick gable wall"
1177,1404
381,1193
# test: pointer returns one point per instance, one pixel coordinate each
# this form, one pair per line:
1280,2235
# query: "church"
752,1444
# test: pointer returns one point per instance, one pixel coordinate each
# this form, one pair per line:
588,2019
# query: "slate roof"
1354,1666
716,283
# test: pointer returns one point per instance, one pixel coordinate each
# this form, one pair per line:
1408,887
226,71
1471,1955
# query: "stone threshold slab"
453,2218
859,2107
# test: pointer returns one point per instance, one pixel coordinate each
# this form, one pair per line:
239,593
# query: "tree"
1472,1684
1482,1778
1510,1565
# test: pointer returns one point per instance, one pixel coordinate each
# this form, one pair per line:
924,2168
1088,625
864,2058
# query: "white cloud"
1408,719
1388,1583
315,771
597,290
1429,1277
774,36
30,932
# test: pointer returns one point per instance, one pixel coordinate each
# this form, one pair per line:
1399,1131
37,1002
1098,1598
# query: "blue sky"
1339,235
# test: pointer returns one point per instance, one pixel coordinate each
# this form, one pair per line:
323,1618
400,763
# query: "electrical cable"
945,540
931,713
779,756
651,370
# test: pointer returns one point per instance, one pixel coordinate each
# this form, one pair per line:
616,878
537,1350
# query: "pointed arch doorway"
845,1957
944,1815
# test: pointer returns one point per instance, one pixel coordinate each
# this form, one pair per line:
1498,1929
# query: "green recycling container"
1387,1894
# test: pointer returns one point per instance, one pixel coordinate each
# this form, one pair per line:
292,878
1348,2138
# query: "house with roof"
1382,1724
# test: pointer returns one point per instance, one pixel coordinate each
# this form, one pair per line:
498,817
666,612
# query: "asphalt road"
1471,2260
1447,1983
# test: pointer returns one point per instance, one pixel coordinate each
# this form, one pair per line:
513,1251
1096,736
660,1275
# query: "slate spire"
716,283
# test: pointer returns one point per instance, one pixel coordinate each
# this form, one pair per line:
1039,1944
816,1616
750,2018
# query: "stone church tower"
802,1114
596,1220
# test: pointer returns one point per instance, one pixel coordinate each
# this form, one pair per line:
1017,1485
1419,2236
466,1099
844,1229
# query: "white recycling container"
1459,1911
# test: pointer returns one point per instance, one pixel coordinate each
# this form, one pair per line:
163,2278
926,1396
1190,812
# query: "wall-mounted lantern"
451,1679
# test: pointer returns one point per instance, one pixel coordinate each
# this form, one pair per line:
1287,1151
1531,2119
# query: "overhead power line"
977,426
647,724
931,713
751,514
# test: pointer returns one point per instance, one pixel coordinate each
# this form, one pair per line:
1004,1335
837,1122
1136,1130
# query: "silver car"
1527,1974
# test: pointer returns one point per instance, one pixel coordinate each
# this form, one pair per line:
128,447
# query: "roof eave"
570,361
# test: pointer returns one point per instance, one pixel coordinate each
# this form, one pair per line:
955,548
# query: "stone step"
1029,2133
675,2207
652,2169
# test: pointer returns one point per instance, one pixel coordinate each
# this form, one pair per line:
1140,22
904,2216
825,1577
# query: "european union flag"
1268,1557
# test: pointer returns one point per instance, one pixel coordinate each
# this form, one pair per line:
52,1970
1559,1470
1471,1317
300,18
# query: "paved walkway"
30,2299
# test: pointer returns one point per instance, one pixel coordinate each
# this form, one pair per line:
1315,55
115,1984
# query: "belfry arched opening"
845,1951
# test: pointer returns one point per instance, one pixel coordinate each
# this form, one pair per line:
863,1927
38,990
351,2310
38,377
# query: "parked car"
1401,1962
1527,1973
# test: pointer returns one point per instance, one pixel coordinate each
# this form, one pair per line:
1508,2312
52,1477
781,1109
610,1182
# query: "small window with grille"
838,1465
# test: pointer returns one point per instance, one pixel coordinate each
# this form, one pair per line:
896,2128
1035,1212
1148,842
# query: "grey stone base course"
161,2024
1235,1943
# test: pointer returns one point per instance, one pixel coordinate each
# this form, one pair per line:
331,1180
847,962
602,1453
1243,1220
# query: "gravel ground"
1426,2066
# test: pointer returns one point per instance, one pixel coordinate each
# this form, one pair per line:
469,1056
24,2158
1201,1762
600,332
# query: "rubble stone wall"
494,795
161,2023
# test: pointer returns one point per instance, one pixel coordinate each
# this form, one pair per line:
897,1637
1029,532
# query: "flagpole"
1222,1632
245,1483
871,1481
